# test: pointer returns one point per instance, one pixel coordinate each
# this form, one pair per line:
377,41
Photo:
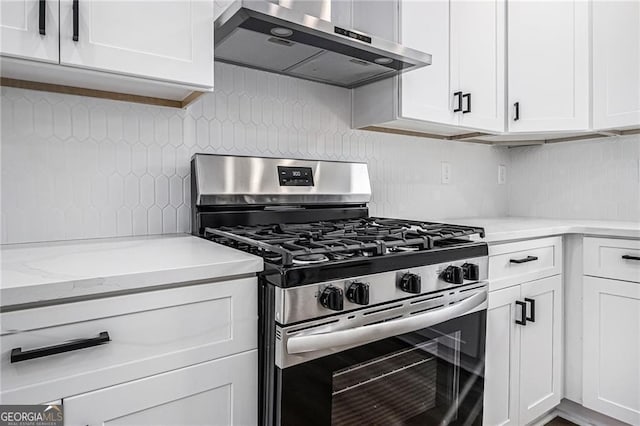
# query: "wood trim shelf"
467,137
102,94
473,137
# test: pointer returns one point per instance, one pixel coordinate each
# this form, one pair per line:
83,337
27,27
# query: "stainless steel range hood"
269,36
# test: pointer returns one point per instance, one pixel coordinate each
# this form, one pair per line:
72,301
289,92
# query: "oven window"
430,376
400,388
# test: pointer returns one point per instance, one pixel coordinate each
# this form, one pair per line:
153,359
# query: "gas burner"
271,256
376,235
404,249
310,259
343,255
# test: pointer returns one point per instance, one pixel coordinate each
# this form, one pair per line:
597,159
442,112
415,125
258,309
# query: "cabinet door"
541,348
169,40
21,29
616,64
426,93
220,392
611,348
502,359
548,57
477,61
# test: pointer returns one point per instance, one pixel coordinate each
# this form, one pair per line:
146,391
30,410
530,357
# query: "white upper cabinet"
170,40
426,94
478,62
464,85
29,29
616,64
548,61
159,50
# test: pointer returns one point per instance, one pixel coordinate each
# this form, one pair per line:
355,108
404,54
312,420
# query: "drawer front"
149,333
515,263
612,258
220,392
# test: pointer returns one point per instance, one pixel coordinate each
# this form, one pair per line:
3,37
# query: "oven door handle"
370,333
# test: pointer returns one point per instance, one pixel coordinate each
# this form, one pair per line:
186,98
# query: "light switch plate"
446,172
502,174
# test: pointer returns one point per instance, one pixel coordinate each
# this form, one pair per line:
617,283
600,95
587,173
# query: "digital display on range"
295,176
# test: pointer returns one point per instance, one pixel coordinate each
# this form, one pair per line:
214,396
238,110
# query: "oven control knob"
453,275
358,293
331,298
410,283
471,271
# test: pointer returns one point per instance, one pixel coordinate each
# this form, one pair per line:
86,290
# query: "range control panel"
314,301
295,176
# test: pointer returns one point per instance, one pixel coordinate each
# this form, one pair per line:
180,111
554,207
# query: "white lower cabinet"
502,360
177,356
611,348
523,363
541,349
220,392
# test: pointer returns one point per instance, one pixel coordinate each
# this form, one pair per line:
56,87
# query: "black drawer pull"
516,113
76,18
524,260
630,257
42,16
459,96
17,355
531,317
523,313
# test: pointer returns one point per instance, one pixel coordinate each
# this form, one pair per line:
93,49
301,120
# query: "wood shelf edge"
101,94
467,137
473,137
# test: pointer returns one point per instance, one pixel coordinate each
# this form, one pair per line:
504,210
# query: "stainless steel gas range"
363,320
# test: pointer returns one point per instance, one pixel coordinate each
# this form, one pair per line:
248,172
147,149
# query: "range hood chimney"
297,38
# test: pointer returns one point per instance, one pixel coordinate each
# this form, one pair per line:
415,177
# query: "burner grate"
340,239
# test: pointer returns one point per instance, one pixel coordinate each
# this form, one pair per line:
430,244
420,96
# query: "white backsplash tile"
75,167
594,179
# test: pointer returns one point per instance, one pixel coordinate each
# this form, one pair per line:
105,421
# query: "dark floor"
559,421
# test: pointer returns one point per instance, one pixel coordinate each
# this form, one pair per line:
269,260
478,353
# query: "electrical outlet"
446,172
502,174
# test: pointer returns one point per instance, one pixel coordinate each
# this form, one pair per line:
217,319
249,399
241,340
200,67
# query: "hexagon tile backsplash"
75,167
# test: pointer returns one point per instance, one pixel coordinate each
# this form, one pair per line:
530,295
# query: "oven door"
431,375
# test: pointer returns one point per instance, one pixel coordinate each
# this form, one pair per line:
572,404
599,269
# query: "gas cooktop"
326,241
373,243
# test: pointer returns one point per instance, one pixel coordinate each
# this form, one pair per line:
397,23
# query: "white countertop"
516,228
57,270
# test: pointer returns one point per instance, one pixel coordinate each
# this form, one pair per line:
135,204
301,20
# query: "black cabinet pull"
531,317
630,257
76,17
516,114
42,16
17,355
524,260
468,96
523,313
459,96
